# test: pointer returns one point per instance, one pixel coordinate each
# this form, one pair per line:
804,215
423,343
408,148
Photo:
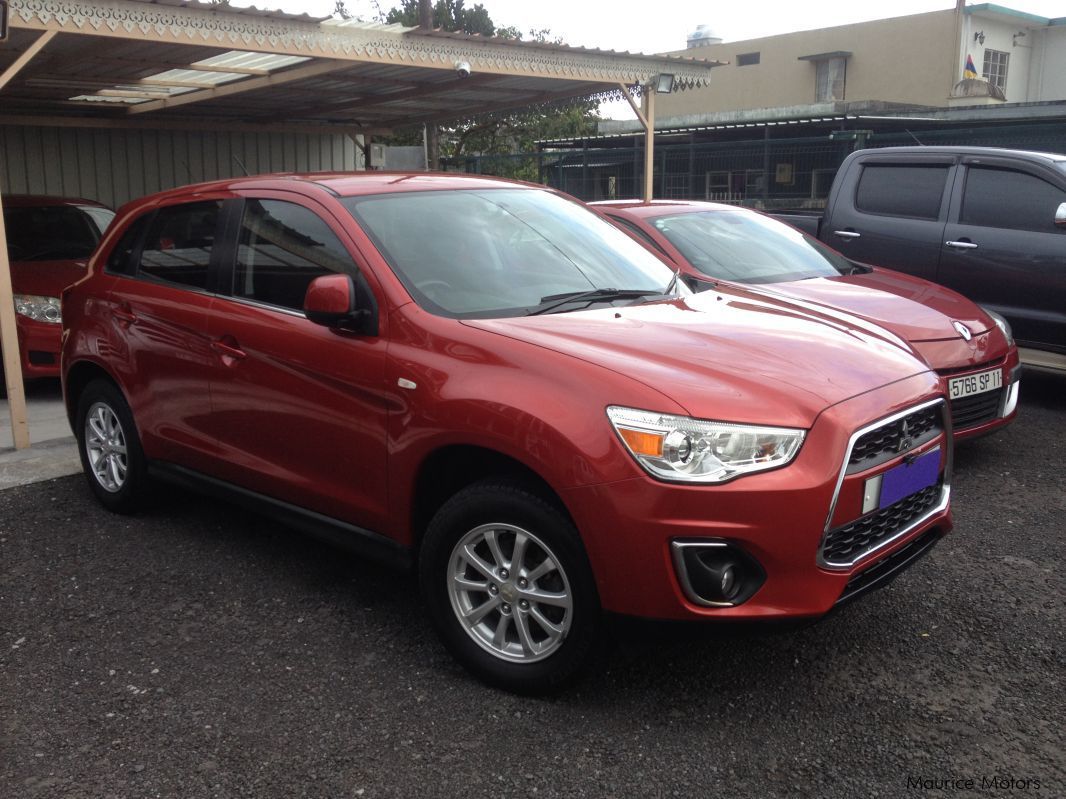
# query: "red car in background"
49,241
488,381
971,348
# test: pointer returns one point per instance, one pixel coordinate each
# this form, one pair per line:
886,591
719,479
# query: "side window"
179,243
283,247
913,191
1004,198
121,259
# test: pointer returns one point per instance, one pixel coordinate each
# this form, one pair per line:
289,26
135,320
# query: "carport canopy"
173,65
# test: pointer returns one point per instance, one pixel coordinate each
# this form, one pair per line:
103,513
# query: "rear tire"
509,588
110,448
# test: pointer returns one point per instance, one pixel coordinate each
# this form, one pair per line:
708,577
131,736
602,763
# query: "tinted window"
49,233
747,59
913,191
283,247
179,244
1007,199
500,252
121,258
748,247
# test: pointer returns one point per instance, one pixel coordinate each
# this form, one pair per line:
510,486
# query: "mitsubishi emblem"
963,330
905,441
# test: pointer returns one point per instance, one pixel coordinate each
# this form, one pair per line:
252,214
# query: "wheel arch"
449,469
80,375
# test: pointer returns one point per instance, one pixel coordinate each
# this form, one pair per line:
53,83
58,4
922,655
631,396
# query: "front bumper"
39,346
780,518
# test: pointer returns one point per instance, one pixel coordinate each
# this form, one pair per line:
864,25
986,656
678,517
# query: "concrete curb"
44,461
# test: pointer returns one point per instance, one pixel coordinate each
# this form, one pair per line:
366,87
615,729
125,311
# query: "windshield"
503,252
54,232
749,248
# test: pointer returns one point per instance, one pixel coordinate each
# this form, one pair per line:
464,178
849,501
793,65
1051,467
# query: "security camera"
462,69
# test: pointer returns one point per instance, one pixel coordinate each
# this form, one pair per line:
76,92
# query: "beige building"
914,60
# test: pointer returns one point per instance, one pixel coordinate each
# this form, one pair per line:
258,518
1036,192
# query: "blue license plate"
909,478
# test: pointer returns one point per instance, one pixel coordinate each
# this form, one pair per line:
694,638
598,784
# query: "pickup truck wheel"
110,448
509,588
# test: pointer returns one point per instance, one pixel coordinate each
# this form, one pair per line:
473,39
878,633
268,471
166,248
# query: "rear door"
158,317
1004,250
298,409
892,212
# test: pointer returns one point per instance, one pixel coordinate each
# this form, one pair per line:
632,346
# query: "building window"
829,80
995,68
747,59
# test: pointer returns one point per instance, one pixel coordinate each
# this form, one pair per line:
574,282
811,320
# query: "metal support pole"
9,342
765,166
648,99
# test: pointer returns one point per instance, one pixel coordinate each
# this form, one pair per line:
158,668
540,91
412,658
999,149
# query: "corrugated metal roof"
443,34
249,11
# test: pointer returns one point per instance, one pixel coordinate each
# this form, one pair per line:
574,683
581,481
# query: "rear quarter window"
906,190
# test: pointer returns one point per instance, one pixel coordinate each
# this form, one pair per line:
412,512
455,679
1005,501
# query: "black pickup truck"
987,222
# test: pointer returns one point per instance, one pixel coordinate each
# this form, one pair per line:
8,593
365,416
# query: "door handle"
961,245
228,348
847,234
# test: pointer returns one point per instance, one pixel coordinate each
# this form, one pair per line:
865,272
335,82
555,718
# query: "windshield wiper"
558,300
673,282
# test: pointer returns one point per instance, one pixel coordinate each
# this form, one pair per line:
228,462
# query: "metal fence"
762,173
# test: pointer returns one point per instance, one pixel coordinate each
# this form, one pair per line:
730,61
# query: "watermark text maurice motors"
994,782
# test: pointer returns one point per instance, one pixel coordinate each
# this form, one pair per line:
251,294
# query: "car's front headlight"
688,450
1002,324
40,309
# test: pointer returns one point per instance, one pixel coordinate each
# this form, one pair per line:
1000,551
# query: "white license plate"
979,383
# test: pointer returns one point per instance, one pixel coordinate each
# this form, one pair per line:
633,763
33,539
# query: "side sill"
356,540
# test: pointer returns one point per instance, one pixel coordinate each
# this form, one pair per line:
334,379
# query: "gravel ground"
197,651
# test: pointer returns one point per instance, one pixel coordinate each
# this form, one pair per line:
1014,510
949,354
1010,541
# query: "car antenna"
242,166
915,138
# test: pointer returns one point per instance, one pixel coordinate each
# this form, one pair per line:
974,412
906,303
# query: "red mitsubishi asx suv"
489,382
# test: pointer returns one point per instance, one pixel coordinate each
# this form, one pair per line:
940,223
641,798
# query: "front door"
298,409
1006,253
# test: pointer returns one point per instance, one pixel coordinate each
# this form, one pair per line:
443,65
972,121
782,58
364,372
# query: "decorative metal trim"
390,44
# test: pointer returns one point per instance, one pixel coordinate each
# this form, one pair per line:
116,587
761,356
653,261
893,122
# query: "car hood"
730,355
45,278
910,307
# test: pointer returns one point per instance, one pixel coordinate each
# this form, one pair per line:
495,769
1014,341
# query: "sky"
663,25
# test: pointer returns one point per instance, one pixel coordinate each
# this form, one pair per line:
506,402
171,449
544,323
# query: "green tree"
449,15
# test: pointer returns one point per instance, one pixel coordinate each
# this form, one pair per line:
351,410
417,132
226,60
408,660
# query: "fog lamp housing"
717,574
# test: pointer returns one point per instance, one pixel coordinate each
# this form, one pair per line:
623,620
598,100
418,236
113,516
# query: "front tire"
509,588
110,448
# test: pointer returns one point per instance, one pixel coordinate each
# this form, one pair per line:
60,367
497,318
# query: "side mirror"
337,301
1060,216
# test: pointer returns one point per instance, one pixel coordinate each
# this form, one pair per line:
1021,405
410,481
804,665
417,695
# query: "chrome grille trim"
945,496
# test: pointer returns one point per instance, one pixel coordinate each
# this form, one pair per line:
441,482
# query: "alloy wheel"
105,444
510,593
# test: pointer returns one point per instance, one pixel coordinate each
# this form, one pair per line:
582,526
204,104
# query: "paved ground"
52,451
199,652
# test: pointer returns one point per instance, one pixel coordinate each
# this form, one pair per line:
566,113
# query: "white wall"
1047,70
115,166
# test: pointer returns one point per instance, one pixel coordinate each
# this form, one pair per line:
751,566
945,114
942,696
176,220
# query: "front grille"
883,444
976,410
846,544
40,358
885,570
